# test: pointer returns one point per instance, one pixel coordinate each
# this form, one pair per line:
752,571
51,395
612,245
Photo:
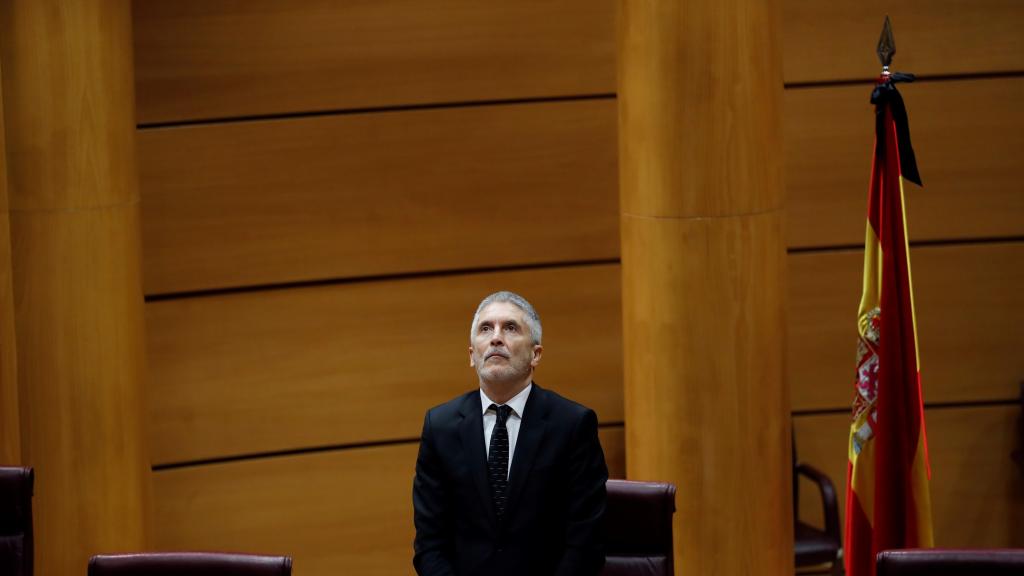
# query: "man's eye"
485,328
511,327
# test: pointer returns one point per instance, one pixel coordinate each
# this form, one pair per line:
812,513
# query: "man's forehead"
501,311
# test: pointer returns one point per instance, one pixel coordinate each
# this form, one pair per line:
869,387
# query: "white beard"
512,370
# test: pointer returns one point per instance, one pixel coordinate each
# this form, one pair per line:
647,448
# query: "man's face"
502,349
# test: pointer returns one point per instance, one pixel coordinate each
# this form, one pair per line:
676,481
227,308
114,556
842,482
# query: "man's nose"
496,338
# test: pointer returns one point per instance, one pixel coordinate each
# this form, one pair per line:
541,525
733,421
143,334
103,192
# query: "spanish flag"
888,504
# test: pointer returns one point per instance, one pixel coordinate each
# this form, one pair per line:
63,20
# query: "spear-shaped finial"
886,46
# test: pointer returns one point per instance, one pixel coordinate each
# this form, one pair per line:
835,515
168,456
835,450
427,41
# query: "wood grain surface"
215,59
354,363
81,367
977,489
318,362
700,110
705,391
968,137
335,512
10,429
371,194
219,58
969,302
76,259
829,41
703,275
274,202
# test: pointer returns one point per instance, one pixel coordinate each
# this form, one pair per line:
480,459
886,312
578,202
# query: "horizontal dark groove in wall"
517,267
310,450
535,100
374,110
377,278
927,405
283,453
817,249
913,244
919,78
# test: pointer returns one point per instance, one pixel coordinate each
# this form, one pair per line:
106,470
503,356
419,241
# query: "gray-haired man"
510,478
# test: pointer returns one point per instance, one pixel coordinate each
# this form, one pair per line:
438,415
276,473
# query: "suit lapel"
472,432
531,431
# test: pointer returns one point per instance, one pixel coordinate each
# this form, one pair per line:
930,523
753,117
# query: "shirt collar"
517,403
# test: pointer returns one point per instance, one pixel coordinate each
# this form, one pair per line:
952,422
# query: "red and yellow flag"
888,504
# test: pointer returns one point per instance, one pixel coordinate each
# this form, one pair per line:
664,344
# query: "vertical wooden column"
73,199
703,257
10,435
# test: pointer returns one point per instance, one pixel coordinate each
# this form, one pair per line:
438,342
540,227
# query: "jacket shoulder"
563,406
451,410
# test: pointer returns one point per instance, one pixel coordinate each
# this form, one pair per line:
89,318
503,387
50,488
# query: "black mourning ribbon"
885,93
497,459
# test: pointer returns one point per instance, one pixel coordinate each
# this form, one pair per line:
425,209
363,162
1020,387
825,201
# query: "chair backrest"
189,564
16,521
638,525
951,562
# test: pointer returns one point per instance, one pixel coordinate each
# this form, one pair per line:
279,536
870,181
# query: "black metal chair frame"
830,506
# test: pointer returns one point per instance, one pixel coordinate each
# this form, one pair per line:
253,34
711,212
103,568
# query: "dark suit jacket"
556,495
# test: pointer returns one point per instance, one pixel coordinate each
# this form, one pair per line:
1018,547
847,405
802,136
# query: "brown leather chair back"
189,564
638,527
16,521
950,562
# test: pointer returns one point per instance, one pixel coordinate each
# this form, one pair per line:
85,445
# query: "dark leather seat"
813,546
189,564
16,521
951,562
639,528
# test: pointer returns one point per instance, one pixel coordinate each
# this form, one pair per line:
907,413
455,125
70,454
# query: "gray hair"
531,318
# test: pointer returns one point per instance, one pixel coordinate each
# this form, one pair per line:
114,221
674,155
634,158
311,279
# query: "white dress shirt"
515,419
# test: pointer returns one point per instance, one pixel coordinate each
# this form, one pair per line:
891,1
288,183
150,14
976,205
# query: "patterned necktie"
497,459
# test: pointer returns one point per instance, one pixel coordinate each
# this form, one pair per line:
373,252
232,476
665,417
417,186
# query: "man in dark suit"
510,478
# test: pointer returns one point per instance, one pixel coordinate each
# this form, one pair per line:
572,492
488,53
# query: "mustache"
496,352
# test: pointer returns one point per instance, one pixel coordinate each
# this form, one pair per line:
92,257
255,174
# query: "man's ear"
471,363
538,350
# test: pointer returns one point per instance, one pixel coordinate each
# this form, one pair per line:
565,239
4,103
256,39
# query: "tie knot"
503,412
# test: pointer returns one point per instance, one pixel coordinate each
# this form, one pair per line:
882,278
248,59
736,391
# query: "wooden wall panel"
10,428
369,194
977,488
613,442
284,369
827,41
339,512
969,301
316,360
214,59
336,512
969,139
311,198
